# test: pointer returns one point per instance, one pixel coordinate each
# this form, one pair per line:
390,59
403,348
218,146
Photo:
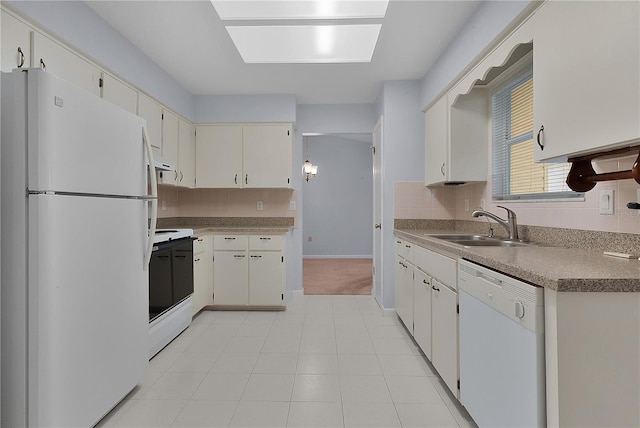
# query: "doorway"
337,215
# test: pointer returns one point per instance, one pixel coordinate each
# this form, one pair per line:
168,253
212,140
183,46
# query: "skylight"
309,41
299,9
305,44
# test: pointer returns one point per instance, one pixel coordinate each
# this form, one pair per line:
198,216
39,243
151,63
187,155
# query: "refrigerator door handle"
153,200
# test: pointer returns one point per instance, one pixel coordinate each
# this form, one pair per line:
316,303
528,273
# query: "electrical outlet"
606,202
259,206
482,204
466,205
292,205
164,206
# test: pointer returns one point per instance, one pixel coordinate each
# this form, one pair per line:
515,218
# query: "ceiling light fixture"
309,170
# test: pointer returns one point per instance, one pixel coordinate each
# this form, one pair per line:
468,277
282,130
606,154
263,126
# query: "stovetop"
164,235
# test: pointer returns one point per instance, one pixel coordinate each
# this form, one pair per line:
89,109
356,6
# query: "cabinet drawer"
405,249
265,242
443,268
230,242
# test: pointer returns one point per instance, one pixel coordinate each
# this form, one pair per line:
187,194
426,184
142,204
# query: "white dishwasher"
502,370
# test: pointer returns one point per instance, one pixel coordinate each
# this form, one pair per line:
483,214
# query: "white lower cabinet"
427,302
422,311
202,272
249,270
404,292
444,328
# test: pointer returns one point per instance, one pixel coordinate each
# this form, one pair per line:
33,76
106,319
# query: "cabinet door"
444,339
151,111
267,156
422,311
186,155
16,38
586,68
219,156
404,292
435,150
65,64
119,93
266,278
230,278
199,282
170,147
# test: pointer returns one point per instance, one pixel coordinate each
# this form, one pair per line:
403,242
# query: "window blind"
515,174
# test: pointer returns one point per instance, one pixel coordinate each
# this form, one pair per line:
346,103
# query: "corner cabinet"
586,68
244,155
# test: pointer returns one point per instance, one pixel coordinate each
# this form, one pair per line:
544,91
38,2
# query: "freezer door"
80,143
88,303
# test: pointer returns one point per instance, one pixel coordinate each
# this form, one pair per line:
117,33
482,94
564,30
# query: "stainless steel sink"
460,237
479,240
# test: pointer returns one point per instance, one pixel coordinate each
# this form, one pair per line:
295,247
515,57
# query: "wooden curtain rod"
582,177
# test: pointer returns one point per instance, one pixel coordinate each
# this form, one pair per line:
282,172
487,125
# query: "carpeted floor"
337,276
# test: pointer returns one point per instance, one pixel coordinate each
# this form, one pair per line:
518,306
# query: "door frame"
378,211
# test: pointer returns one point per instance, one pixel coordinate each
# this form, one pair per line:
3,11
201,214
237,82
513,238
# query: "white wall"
338,202
487,22
79,26
402,160
245,108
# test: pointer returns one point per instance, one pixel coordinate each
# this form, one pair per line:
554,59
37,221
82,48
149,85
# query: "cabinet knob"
540,137
433,287
235,180
21,60
246,179
379,226
43,65
442,169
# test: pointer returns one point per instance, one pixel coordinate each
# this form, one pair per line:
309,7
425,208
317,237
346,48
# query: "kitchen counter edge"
555,268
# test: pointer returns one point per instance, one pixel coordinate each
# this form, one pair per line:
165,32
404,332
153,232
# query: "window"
515,174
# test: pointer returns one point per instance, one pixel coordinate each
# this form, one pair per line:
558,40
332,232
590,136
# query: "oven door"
160,280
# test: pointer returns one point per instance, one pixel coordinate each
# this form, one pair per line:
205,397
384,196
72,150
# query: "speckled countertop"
553,267
237,225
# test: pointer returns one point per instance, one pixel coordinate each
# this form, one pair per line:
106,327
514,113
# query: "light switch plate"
259,206
605,201
292,205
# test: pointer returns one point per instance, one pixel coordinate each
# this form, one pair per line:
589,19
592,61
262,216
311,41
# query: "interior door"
377,211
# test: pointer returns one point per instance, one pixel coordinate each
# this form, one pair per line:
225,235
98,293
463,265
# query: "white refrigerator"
76,242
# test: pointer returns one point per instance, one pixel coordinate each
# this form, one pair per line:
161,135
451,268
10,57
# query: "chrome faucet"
510,223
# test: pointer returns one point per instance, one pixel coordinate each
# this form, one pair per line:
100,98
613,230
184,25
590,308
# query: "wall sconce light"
308,169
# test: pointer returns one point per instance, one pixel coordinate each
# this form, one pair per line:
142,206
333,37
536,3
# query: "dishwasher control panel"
521,302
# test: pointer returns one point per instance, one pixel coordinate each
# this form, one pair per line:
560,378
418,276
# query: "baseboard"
337,257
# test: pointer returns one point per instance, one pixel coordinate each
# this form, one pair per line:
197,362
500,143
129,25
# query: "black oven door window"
160,290
182,259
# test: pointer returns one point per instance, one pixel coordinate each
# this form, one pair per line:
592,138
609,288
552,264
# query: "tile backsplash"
414,200
226,202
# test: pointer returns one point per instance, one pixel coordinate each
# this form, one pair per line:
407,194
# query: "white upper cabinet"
62,62
170,147
186,155
266,155
218,156
16,43
119,93
456,139
244,156
435,132
151,111
586,70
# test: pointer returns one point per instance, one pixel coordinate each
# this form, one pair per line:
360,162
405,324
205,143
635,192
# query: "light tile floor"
327,361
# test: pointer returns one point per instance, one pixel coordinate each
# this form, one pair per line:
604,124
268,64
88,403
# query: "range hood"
161,164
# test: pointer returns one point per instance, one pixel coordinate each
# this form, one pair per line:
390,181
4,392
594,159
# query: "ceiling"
189,41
